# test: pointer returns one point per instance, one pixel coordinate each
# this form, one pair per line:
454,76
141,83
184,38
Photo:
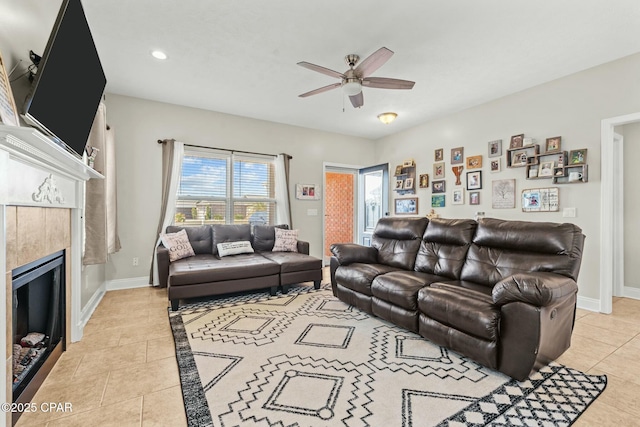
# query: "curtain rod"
161,141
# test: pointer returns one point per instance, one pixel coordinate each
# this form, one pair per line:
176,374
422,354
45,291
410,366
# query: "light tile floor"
124,373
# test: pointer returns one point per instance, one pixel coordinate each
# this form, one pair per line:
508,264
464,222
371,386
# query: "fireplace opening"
38,322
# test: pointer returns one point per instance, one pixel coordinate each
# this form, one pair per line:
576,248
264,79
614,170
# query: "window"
219,187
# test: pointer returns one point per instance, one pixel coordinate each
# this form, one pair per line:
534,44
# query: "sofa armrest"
303,247
539,288
162,254
349,253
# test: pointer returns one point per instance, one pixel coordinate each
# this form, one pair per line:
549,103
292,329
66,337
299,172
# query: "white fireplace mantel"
35,171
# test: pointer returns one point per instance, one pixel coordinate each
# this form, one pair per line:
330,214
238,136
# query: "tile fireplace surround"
41,204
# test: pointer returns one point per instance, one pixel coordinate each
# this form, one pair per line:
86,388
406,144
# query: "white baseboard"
630,292
91,306
590,304
130,283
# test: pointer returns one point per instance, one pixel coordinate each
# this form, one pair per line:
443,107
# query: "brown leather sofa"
207,273
502,293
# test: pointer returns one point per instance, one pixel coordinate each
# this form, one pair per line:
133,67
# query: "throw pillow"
286,240
178,245
234,248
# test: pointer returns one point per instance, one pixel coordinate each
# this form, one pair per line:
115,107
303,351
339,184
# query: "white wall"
571,107
631,149
138,124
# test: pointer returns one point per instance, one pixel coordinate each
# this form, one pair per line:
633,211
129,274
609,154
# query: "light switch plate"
312,212
569,212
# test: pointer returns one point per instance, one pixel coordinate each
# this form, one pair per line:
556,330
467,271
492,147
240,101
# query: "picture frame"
438,186
457,155
495,165
474,180
8,111
406,206
474,162
457,196
495,148
546,169
503,194
516,141
399,184
519,158
424,180
578,157
438,201
306,192
540,200
398,170
438,170
407,163
552,144
474,197
438,155
408,184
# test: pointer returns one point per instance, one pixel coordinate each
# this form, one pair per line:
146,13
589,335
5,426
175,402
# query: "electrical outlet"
136,261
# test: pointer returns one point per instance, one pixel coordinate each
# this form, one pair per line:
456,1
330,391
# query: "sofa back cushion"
199,237
397,240
264,236
502,248
229,233
444,246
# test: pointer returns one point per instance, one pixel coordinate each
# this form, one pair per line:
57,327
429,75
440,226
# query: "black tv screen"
69,83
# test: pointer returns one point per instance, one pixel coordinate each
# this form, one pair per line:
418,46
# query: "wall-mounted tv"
69,83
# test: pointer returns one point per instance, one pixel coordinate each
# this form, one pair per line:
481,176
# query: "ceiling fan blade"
322,70
357,100
373,62
320,90
386,83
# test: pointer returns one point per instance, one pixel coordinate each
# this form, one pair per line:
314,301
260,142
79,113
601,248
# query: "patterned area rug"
307,359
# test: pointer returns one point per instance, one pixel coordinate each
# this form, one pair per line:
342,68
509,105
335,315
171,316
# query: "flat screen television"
69,83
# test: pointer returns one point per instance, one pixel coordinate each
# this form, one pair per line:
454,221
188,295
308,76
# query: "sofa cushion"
401,287
199,237
264,236
208,268
234,248
286,240
229,233
177,244
358,277
397,240
444,247
293,261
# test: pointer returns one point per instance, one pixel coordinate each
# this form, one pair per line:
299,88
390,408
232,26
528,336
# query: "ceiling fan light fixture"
352,88
387,118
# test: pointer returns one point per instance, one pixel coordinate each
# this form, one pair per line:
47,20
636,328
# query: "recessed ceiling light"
158,54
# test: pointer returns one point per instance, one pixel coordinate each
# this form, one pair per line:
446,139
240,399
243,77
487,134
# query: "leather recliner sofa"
502,293
207,274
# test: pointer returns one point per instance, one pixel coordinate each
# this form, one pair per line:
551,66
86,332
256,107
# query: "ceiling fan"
357,76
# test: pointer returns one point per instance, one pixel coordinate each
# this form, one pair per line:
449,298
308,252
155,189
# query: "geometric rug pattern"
307,359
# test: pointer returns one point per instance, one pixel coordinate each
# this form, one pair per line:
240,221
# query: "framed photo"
474,162
399,184
438,170
503,194
438,201
578,157
519,158
546,169
439,155
553,144
516,141
474,180
495,148
306,192
457,155
424,180
457,196
474,197
398,170
8,111
438,186
407,163
406,206
408,183
495,165
540,200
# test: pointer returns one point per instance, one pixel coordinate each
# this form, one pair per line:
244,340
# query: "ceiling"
239,57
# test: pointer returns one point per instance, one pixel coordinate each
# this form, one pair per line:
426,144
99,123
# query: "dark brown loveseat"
502,293
207,273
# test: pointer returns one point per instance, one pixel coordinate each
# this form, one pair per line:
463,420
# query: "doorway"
340,201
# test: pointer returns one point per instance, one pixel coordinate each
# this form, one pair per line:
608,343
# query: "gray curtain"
100,216
287,166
